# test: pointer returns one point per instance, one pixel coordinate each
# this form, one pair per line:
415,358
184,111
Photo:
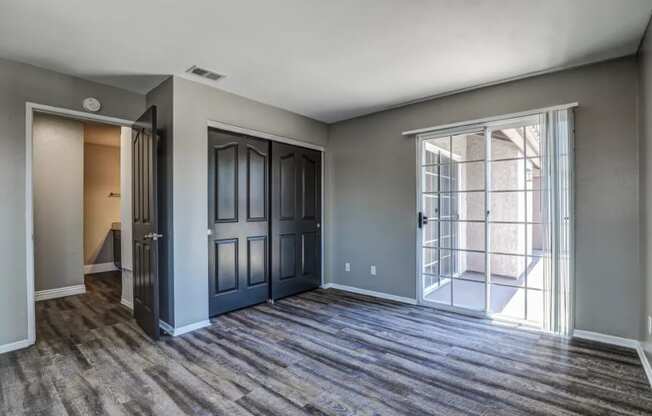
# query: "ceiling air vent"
204,73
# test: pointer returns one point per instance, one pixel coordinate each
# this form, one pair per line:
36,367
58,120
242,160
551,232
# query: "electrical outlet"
347,267
372,270
649,325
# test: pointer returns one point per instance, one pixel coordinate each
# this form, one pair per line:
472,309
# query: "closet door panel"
296,220
238,218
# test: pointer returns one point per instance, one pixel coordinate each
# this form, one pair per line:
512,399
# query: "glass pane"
508,206
469,265
429,156
468,147
447,261
433,149
507,144
533,178
430,178
508,238
534,204
535,306
536,241
466,177
447,206
533,140
439,292
430,206
469,294
427,280
508,175
507,270
535,272
447,178
447,237
470,206
508,301
430,264
462,235
430,234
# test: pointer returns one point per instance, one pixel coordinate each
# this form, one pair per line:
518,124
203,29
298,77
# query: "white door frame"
461,129
287,140
486,125
30,109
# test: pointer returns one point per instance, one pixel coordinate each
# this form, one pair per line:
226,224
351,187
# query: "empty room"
301,207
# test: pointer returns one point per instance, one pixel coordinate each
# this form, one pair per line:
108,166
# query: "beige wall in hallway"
101,177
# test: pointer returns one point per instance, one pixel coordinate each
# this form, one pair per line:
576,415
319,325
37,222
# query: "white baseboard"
18,345
59,292
621,342
127,303
645,362
175,332
607,339
99,268
370,293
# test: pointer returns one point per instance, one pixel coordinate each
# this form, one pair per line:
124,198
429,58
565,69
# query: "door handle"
152,236
423,220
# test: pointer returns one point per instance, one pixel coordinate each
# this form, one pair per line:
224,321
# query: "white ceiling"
327,59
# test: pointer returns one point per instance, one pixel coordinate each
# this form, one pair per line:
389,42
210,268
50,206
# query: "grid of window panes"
453,240
517,241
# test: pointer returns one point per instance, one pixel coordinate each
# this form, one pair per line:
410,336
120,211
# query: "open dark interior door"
145,223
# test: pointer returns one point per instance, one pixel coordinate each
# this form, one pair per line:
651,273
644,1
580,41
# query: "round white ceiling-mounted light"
91,104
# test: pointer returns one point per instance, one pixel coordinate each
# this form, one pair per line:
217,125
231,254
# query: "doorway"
264,219
494,211
78,175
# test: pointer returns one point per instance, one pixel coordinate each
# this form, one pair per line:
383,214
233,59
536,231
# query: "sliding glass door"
487,218
517,244
453,243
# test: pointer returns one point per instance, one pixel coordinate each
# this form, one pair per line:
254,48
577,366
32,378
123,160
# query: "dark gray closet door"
238,216
296,220
145,223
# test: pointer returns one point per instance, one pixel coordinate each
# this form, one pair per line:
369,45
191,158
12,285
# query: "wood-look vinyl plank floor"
324,352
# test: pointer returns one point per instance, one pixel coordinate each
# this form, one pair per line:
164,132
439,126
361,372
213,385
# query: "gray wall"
58,178
20,83
372,183
194,104
645,158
